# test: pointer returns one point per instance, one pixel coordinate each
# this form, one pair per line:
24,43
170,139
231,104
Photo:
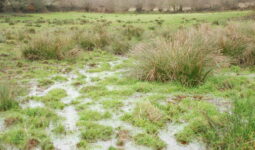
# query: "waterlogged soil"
101,97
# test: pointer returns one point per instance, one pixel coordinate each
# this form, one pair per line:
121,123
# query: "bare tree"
121,5
2,5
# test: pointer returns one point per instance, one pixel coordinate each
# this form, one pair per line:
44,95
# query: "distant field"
143,20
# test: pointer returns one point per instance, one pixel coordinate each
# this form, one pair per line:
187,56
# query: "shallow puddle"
69,140
2,126
167,135
32,104
71,117
66,142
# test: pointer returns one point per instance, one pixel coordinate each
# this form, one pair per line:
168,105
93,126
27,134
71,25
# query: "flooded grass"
93,102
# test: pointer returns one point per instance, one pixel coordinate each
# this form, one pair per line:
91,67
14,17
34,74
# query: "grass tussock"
8,96
103,39
2,38
50,46
237,40
60,45
89,40
187,56
132,32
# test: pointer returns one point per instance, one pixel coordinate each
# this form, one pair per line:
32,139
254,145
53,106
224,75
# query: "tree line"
122,5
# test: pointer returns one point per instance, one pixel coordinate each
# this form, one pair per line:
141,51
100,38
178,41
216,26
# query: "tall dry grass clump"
237,40
188,57
90,40
49,46
101,38
8,94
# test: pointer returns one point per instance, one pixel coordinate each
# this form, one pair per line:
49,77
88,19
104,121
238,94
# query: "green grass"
238,130
53,98
8,96
150,141
94,132
169,19
146,116
27,124
91,115
155,103
45,82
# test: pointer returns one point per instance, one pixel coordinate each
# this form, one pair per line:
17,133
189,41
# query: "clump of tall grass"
101,38
8,95
49,46
90,40
119,46
237,40
2,38
188,57
132,32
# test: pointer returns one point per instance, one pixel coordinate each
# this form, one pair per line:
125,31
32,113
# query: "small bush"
49,46
97,38
131,31
119,46
87,41
188,57
238,42
101,38
8,96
